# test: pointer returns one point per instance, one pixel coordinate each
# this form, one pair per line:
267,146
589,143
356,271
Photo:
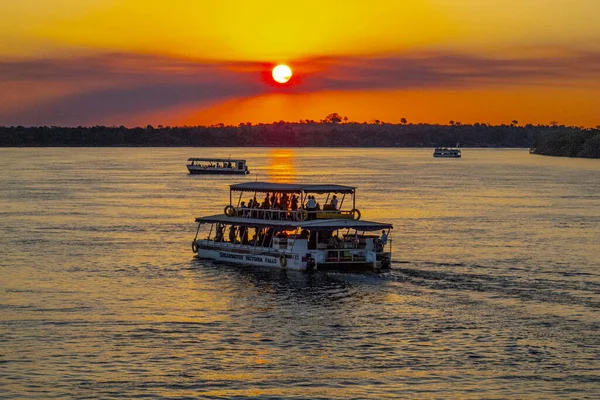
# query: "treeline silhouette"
330,132
569,143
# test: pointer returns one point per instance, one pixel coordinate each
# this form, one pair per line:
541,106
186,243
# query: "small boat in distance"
290,229
208,166
447,152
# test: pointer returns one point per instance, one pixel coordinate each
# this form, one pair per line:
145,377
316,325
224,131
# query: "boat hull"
290,260
271,259
216,171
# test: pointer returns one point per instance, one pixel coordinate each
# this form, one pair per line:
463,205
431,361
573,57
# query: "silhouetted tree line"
329,132
569,143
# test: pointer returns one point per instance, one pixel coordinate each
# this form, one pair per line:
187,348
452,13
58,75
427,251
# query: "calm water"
494,291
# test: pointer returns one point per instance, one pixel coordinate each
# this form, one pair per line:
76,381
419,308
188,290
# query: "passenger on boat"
311,206
334,203
232,234
244,234
262,207
219,233
275,206
382,241
251,206
294,202
383,238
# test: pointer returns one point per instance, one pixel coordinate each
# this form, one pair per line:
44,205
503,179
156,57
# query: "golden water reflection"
281,166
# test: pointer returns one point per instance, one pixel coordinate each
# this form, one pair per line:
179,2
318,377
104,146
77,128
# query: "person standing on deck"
311,205
232,234
382,241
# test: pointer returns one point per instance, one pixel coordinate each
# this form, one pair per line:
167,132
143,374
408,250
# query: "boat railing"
225,245
290,215
345,255
381,248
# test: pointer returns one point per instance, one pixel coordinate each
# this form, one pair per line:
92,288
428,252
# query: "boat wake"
556,288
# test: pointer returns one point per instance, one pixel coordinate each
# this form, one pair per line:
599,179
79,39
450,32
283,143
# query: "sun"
282,73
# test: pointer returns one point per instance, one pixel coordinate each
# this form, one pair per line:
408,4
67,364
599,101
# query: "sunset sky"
194,62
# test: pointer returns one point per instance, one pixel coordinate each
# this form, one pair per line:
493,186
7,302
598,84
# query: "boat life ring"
355,213
229,211
194,247
283,261
301,215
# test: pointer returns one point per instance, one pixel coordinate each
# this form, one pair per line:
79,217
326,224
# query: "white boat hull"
216,171
292,260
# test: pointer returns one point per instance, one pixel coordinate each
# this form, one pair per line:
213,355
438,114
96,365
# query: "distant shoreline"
553,140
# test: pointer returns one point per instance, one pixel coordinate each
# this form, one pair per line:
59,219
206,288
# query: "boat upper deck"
215,160
266,187
291,201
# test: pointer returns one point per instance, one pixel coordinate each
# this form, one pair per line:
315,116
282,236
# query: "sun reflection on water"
281,167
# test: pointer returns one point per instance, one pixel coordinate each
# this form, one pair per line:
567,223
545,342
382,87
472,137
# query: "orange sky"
133,62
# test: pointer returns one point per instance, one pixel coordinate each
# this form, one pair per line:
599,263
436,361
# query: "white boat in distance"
447,152
227,166
289,229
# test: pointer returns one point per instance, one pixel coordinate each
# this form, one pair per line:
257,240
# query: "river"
494,290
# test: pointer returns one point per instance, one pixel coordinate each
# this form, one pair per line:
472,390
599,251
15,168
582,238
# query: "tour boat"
288,228
447,152
217,166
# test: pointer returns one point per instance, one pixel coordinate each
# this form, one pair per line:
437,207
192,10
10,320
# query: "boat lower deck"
299,259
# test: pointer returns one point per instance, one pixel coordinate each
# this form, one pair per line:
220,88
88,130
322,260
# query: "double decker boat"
217,166
447,152
288,228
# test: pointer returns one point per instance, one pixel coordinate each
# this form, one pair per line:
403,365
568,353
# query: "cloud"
120,85
450,71
110,87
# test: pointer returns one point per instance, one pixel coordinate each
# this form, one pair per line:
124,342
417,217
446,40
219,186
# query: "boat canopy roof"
290,188
323,224
215,159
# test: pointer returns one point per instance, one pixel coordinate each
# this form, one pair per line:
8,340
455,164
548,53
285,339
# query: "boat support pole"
197,230
294,241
